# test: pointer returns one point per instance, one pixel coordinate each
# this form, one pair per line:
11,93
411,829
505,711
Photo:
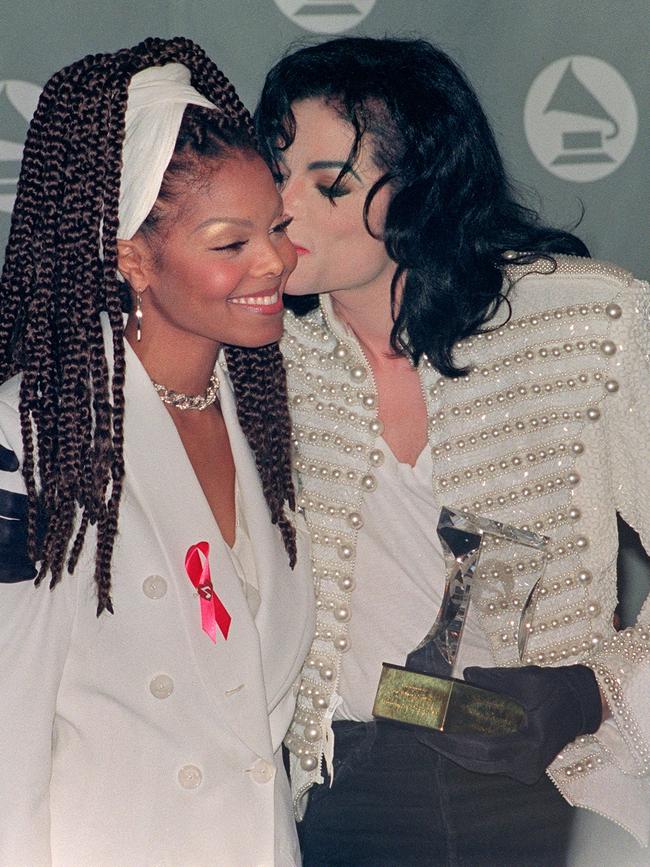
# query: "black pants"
397,803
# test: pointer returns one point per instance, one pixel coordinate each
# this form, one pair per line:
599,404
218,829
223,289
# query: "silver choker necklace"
189,401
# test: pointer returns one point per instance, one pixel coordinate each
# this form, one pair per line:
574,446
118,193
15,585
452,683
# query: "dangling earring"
138,316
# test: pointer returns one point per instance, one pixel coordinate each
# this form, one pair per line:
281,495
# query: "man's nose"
292,196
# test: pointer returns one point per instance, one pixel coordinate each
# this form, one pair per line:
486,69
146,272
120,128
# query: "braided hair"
60,273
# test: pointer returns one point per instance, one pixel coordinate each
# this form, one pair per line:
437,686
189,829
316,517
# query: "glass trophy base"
443,703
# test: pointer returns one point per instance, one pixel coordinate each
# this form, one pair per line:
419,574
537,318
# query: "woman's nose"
269,263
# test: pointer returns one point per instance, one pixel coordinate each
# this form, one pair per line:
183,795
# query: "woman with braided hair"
145,691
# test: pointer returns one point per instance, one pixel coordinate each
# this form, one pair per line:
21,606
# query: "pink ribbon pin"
213,611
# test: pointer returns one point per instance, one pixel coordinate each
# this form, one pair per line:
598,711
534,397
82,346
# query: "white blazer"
133,738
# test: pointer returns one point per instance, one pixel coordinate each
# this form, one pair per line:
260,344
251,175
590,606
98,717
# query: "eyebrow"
227,221
333,164
232,221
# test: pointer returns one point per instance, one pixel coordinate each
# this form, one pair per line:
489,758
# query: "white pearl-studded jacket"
550,431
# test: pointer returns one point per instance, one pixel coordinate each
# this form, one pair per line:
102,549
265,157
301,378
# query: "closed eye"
332,191
282,227
236,245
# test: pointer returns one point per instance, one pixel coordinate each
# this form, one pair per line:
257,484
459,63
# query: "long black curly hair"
60,273
452,213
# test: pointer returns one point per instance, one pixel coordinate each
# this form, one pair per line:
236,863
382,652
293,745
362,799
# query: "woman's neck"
175,359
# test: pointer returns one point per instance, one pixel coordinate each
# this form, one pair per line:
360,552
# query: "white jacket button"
262,771
189,777
154,587
162,686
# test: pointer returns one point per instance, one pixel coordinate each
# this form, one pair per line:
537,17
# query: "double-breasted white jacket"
132,738
549,430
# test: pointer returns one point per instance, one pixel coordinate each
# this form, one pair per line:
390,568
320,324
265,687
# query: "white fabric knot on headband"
157,98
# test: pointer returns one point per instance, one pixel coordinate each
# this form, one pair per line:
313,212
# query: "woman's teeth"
258,300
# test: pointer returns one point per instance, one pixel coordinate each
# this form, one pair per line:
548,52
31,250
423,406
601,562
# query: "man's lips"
300,250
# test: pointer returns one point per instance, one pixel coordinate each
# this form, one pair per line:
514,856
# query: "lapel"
268,551
285,616
251,496
161,480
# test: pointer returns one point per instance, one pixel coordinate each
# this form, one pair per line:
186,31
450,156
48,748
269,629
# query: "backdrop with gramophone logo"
564,83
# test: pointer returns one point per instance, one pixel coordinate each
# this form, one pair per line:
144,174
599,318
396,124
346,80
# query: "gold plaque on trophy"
443,703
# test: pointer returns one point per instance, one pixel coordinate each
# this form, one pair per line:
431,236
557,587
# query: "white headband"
156,102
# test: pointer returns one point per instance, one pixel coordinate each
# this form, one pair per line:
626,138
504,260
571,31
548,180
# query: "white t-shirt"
400,579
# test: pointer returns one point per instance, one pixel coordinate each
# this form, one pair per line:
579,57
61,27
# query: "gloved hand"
15,565
560,703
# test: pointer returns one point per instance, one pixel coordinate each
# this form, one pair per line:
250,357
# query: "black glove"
15,565
560,703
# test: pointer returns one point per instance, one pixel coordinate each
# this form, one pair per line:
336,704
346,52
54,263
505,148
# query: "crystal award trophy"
423,692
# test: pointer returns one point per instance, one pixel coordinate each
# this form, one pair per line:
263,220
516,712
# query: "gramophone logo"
18,100
325,16
580,118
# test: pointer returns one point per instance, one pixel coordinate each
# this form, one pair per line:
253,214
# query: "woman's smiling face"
335,250
218,267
